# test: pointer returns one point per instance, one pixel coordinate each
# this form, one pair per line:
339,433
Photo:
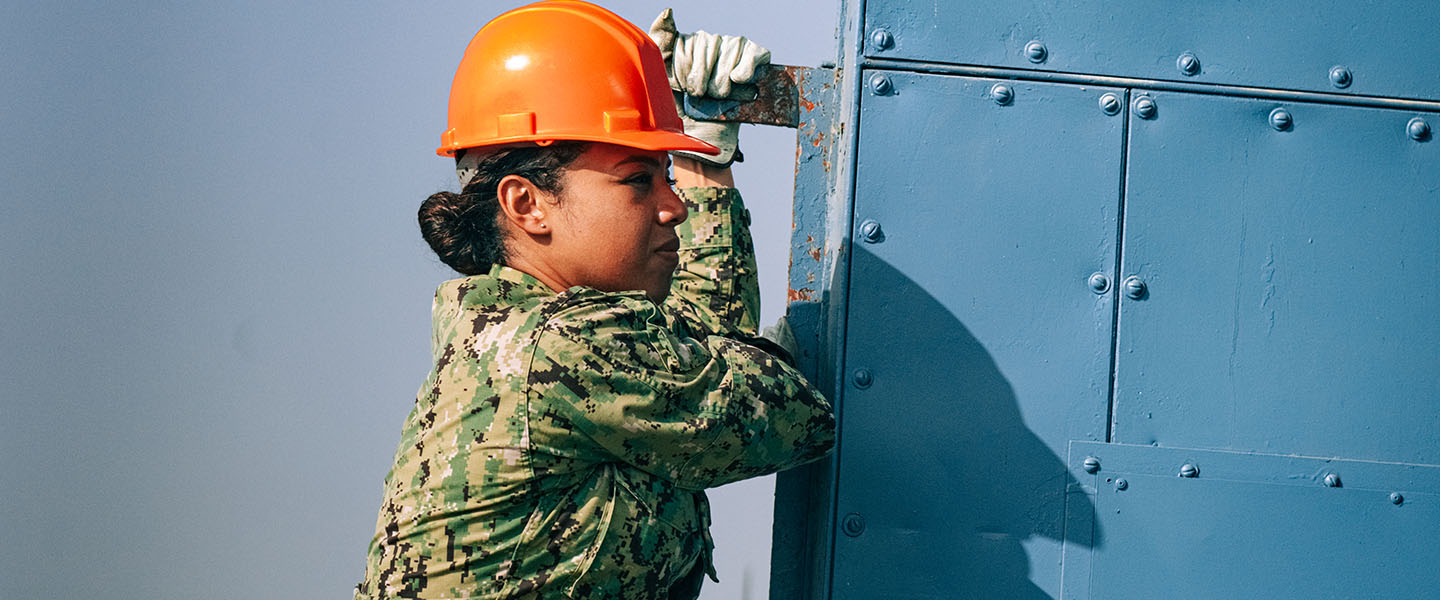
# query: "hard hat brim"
643,140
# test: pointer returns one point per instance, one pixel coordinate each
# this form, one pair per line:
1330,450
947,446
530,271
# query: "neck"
539,271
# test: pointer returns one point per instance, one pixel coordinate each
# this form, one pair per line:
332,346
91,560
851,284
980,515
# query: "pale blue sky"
215,300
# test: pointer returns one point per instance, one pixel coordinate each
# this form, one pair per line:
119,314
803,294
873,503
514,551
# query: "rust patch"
816,254
777,99
801,295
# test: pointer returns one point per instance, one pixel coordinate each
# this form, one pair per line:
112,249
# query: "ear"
520,201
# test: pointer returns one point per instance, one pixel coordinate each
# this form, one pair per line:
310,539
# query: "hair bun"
463,242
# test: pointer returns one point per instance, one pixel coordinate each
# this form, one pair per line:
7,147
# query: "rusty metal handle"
777,101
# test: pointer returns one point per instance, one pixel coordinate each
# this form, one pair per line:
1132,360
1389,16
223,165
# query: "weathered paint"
777,101
803,521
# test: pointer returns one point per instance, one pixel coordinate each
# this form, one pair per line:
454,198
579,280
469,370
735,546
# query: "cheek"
614,242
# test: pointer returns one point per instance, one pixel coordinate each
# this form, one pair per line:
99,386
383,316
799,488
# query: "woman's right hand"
711,66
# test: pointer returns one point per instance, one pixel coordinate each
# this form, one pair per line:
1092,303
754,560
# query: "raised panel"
1251,526
1390,49
975,347
1292,281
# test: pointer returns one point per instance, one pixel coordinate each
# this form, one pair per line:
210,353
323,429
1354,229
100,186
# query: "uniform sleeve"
716,288
613,377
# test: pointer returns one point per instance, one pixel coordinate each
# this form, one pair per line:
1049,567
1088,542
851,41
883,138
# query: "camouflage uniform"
561,444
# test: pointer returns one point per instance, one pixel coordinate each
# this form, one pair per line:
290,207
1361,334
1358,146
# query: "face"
612,227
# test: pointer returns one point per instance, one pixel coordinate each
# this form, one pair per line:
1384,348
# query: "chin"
658,293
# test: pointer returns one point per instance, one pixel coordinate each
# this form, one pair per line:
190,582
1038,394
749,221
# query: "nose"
671,209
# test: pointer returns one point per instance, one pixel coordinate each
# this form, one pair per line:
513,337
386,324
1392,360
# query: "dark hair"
464,229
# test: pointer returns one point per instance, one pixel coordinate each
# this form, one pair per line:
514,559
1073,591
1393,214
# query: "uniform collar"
502,286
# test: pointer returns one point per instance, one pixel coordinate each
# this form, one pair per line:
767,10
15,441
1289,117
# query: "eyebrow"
644,160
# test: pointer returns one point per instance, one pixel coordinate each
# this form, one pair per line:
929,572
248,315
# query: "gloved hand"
714,66
783,336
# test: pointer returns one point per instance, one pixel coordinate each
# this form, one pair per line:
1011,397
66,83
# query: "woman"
596,370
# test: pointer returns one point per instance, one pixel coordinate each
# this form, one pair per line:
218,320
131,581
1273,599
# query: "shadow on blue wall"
939,460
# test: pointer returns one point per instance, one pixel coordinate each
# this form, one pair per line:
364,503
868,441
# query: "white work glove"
713,66
783,336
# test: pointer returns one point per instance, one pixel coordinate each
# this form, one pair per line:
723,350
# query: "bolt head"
881,85
1332,480
863,378
1036,52
1092,464
1397,499
1281,119
1135,287
882,39
1418,129
1188,64
870,232
1099,283
1122,485
1145,107
1110,104
853,525
1189,470
1002,94
1340,76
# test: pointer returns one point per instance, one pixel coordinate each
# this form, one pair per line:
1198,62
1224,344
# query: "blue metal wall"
1132,301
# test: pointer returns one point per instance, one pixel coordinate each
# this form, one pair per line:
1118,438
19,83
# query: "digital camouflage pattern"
561,444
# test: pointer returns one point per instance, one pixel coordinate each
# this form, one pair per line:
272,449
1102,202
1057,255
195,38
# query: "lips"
670,247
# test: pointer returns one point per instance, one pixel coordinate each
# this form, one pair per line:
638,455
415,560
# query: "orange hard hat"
563,70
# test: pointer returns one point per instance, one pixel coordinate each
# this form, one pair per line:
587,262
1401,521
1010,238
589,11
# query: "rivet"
1189,470
1135,287
1092,464
1110,104
882,39
1002,94
1397,499
1418,129
1188,64
1340,76
1122,485
880,84
1099,283
1036,52
1145,107
870,232
1332,480
1281,120
862,378
853,525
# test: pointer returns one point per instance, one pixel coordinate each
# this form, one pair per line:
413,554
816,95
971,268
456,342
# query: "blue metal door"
1132,301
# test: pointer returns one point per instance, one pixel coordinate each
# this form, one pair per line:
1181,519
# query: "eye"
639,179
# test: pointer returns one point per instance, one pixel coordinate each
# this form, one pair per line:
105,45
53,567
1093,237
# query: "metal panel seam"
1119,264
1211,89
